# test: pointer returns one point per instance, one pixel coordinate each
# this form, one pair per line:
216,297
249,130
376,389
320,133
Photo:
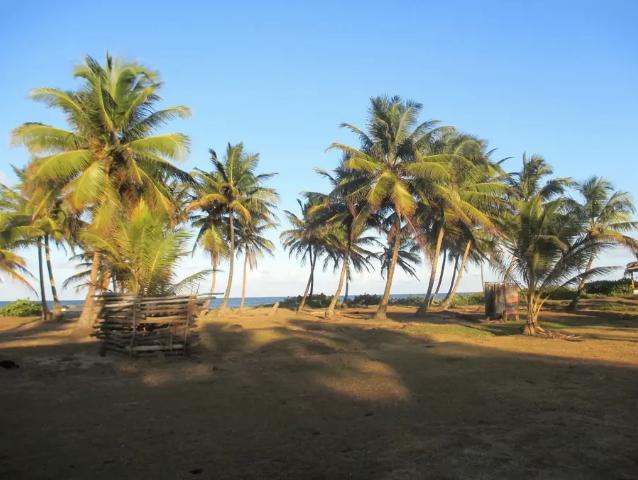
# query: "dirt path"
296,397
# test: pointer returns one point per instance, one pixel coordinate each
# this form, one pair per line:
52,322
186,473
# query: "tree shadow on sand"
310,399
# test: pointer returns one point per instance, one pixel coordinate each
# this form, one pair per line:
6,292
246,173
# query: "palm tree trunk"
57,307
313,261
454,272
231,263
450,296
243,283
89,312
345,295
382,309
213,282
438,286
435,265
573,306
44,315
531,325
302,303
330,312
482,281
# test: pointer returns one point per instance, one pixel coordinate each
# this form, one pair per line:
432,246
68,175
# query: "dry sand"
295,396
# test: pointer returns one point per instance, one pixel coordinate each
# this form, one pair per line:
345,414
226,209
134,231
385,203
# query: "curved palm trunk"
213,282
573,306
243,283
231,262
57,307
330,311
313,262
382,309
302,303
345,295
89,311
435,265
438,285
450,296
44,315
453,280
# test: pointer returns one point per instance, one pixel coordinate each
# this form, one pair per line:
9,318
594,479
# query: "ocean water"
234,302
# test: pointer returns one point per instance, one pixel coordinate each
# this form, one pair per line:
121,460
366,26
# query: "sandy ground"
294,396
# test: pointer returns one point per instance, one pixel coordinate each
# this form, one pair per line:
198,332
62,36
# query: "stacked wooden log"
143,325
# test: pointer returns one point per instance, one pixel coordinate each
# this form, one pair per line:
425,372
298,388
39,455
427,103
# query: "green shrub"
364,300
609,287
563,293
315,301
21,308
468,299
411,301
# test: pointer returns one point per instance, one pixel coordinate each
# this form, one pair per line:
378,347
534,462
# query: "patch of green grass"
457,330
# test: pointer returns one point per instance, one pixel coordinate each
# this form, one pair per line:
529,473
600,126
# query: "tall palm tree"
109,158
463,198
211,236
306,239
347,248
606,214
238,191
384,167
252,243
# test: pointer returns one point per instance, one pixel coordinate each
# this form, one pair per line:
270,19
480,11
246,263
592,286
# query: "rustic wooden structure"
501,301
630,271
142,325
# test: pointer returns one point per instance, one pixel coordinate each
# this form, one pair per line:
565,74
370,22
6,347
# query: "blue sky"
558,78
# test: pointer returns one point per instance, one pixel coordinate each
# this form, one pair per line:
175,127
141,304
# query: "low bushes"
21,308
463,299
609,287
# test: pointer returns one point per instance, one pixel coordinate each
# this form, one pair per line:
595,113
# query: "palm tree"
547,251
385,166
528,182
14,232
253,244
407,258
143,252
306,239
606,214
347,247
18,229
108,160
462,200
211,236
238,191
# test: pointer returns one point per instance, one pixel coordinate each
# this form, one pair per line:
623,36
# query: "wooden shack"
145,325
501,301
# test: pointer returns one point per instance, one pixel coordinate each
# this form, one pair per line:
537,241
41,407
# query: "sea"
233,301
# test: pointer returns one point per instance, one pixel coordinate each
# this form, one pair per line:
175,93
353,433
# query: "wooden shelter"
501,301
630,271
141,325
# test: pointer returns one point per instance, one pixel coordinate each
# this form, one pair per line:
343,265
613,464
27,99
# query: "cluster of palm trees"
432,192
107,188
